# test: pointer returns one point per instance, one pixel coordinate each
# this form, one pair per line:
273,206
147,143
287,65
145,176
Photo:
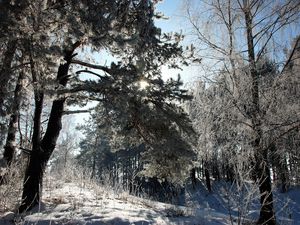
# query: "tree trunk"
33,174
10,146
42,150
284,175
93,175
193,177
5,71
207,179
229,173
280,167
267,215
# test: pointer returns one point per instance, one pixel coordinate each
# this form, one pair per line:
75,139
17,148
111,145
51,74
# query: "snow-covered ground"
86,203
244,208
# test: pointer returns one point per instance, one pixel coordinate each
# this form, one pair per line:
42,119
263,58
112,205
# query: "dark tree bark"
266,215
94,158
284,175
42,150
193,177
33,174
229,173
207,179
216,172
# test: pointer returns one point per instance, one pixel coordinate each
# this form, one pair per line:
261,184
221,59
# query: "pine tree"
48,33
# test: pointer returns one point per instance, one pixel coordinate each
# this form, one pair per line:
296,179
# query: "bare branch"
205,39
76,112
98,67
90,72
297,43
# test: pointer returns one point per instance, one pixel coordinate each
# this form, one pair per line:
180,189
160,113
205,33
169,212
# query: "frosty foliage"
148,116
243,93
246,105
41,39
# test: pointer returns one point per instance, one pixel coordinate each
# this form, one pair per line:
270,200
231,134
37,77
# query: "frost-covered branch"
98,67
282,135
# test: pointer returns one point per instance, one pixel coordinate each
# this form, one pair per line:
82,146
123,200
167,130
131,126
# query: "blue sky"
173,9
170,8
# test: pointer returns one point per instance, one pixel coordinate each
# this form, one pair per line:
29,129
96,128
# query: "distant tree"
151,117
95,153
64,153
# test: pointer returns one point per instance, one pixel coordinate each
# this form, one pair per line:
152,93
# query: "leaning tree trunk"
267,215
41,153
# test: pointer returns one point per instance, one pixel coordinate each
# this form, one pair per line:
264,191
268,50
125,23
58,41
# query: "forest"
106,117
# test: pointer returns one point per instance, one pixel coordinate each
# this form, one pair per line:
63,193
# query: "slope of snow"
71,203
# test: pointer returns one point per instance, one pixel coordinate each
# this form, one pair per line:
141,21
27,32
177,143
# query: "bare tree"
240,55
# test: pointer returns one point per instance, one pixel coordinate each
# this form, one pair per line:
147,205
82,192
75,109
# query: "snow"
87,203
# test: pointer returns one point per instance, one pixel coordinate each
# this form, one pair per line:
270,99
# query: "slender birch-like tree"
238,35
